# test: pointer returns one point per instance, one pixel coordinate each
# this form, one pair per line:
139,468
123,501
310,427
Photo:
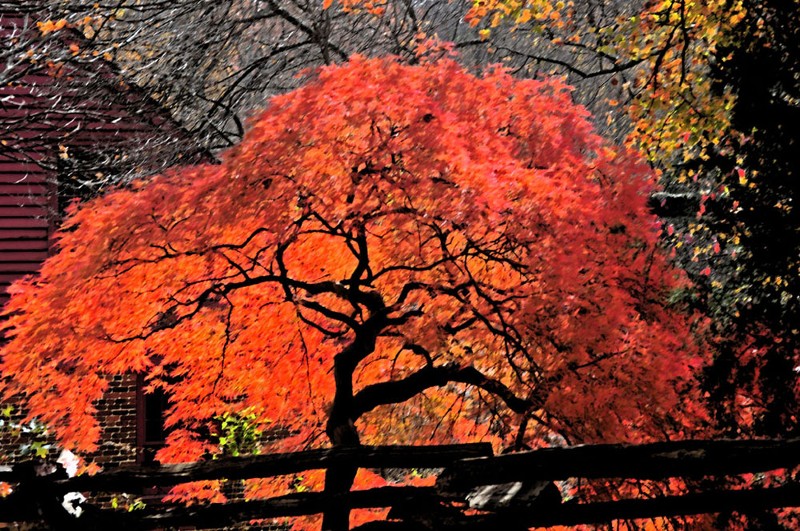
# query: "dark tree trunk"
339,478
340,428
342,433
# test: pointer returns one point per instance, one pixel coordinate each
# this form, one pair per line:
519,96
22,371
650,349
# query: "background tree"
711,91
751,222
659,53
477,265
213,63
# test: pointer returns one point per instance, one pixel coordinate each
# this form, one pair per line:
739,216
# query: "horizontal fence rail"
264,466
644,461
466,467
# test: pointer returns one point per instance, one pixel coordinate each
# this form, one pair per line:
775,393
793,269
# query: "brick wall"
117,412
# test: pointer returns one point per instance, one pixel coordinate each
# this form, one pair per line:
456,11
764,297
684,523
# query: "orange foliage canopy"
394,253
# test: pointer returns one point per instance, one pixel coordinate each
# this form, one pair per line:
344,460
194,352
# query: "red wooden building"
65,122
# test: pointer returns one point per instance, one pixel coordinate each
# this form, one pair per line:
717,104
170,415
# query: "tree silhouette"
392,254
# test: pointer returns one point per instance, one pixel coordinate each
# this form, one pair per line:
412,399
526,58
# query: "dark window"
151,432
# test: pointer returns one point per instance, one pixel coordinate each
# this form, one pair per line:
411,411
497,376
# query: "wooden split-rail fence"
474,490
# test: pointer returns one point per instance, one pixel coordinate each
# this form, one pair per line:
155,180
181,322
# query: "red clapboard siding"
30,158
20,244
8,235
23,189
24,223
22,200
22,178
23,268
29,210
11,256
8,165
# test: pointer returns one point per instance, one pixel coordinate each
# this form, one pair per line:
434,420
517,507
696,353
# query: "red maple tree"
393,254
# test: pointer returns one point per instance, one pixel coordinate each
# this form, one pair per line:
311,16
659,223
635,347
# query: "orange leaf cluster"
457,222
